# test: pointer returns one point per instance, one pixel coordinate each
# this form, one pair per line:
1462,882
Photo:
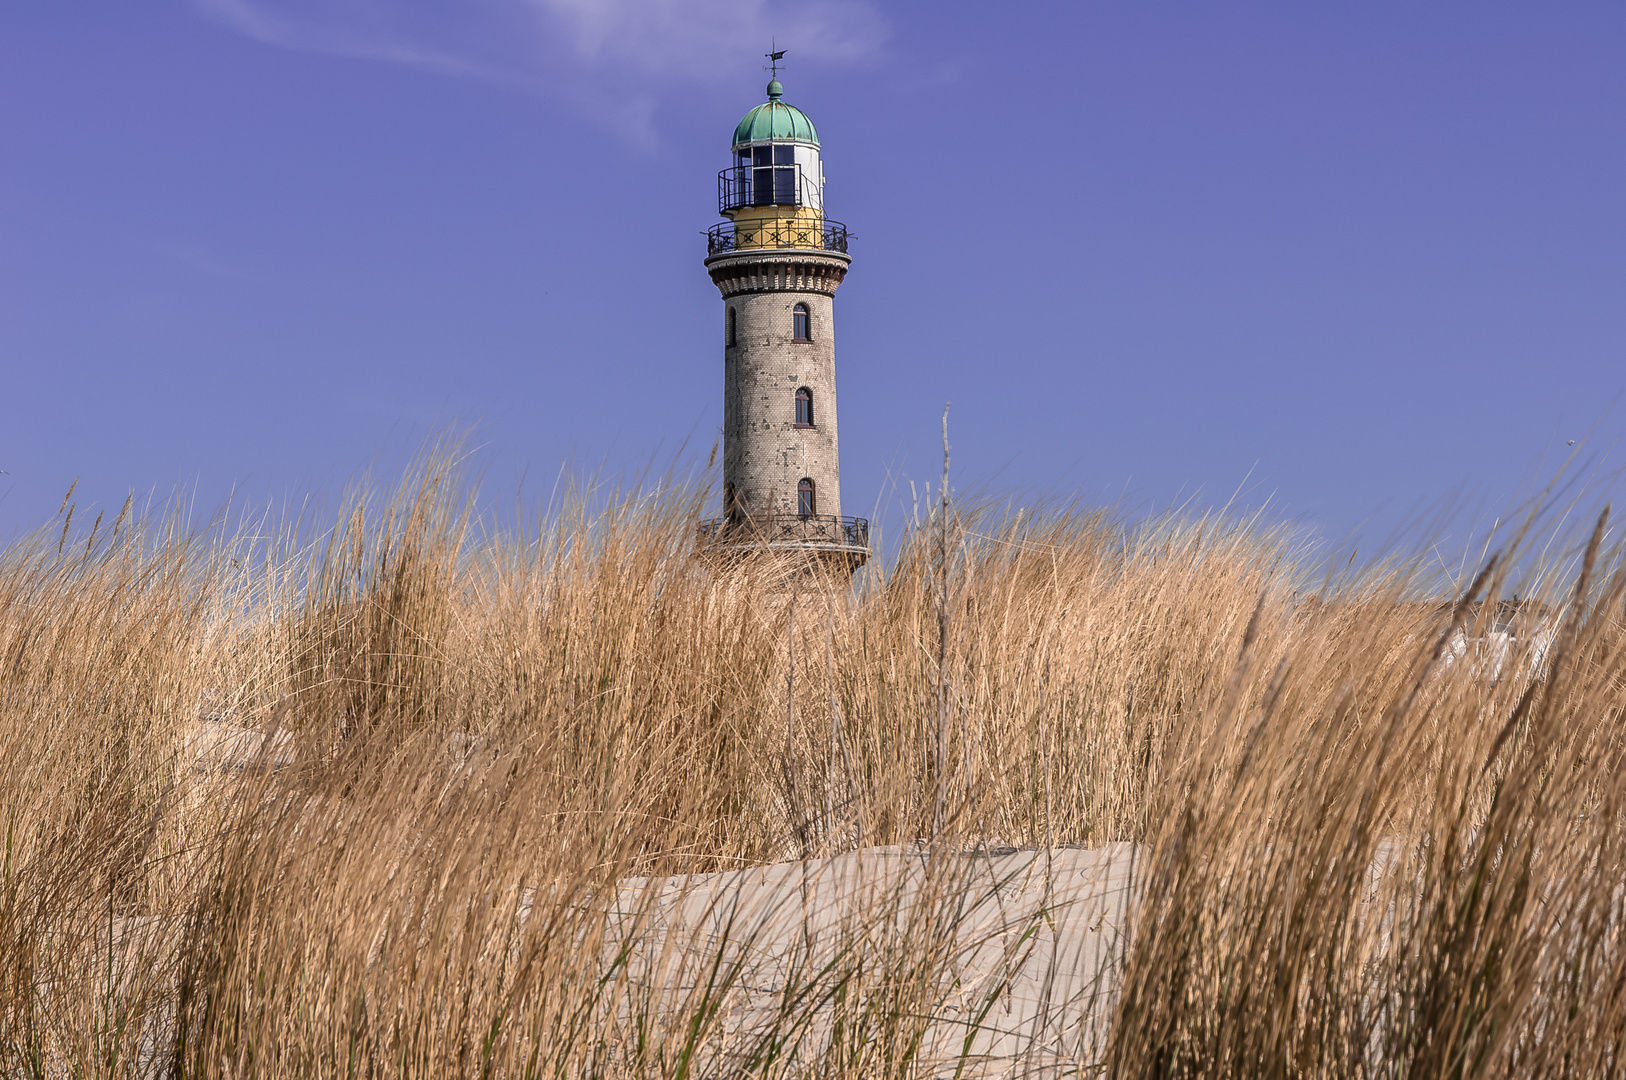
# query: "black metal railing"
820,235
813,530
774,185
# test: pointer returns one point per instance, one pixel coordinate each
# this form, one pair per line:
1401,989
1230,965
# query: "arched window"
731,501
804,407
733,328
800,326
806,504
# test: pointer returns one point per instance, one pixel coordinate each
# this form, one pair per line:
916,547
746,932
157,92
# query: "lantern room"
776,170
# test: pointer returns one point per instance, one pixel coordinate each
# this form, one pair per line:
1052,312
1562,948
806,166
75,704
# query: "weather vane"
774,55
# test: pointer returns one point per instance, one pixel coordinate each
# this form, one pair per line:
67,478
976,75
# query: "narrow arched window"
804,407
733,328
806,504
731,501
800,326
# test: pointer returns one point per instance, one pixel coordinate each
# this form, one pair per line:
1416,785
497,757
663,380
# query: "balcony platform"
768,234
823,536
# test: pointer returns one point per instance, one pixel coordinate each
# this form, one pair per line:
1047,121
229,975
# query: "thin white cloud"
689,37
202,260
374,31
581,50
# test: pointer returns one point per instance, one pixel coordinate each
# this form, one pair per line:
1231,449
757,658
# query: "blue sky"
1357,260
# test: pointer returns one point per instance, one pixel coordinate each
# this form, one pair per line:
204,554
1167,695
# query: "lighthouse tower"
777,261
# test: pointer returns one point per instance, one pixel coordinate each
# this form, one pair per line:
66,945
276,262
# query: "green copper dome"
775,120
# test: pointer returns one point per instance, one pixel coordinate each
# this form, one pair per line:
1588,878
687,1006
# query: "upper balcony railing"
765,185
787,530
818,235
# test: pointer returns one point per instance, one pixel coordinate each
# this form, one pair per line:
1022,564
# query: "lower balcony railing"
813,530
821,235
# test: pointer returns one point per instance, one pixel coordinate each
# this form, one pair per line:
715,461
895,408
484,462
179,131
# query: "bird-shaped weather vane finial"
774,55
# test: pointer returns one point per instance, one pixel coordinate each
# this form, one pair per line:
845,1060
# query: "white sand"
1013,949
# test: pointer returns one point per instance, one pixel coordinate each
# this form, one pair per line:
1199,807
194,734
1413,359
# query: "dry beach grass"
422,800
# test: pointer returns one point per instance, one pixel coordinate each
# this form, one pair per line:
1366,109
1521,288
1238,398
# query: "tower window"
806,502
731,501
733,328
800,328
804,407
773,175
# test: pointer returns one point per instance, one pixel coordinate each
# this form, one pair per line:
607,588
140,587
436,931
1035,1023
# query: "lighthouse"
777,261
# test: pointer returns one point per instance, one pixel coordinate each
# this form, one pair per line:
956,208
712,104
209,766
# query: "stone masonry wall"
765,454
